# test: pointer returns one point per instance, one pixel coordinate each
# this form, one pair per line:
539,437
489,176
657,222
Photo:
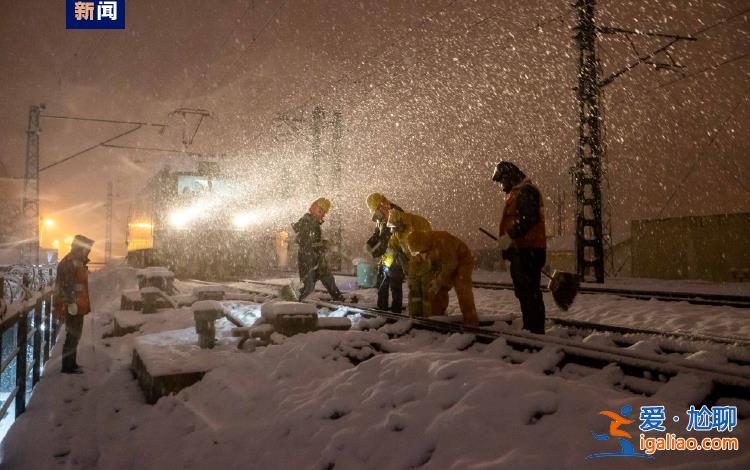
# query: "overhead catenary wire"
88,149
109,121
707,69
696,159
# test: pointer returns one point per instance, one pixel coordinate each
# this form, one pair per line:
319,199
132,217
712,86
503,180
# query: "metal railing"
28,331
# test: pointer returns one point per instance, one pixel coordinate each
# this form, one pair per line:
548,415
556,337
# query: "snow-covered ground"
357,399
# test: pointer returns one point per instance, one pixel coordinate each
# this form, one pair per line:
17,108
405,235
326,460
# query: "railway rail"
639,373
633,332
725,300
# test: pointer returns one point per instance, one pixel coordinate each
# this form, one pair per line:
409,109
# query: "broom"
563,285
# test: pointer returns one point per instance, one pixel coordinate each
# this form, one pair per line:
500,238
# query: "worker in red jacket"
72,298
523,242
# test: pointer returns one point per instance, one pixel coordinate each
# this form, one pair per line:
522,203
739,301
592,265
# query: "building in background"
711,248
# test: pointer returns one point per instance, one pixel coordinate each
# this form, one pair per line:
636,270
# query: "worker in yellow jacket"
391,273
448,264
402,224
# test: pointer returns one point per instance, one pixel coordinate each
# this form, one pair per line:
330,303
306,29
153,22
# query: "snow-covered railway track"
633,370
634,334
723,300
640,333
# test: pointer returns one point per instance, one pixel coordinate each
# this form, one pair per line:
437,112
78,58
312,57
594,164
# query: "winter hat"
323,203
83,241
374,200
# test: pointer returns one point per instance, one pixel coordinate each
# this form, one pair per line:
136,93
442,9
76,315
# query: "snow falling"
195,135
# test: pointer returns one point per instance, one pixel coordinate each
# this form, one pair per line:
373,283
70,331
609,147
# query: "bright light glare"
141,225
242,221
179,219
49,223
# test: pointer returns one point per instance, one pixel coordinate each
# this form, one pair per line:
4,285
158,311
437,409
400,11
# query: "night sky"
432,93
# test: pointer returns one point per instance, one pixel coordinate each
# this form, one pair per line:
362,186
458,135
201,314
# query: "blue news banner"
95,14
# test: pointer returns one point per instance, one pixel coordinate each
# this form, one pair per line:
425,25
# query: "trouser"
317,271
418,280
390,280
526,271
461,281
73,329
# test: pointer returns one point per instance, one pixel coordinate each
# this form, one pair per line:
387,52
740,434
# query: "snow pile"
382,396
106,285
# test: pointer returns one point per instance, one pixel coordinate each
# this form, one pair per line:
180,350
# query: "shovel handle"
544,271
487,233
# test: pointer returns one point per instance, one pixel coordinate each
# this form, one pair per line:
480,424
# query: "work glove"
504,242
396,226
378,216
433,288
73,309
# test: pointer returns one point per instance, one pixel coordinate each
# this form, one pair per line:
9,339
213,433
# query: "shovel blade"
564,287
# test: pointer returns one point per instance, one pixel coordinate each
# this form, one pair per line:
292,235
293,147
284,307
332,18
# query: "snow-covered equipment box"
290,318
206,312
156,276
165,363
149,298
130,300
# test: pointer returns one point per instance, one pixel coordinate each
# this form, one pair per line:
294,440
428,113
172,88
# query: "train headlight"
181,218
242,221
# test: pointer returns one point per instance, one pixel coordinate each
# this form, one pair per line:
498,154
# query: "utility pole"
338,130
30,248
317,153
587,172
318,166
108,236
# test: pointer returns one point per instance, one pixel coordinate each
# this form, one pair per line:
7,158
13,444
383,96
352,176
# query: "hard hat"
374,200
83,241
323,203
419,241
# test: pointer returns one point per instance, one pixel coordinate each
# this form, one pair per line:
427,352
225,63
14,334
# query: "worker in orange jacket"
522,240
72,298
450,266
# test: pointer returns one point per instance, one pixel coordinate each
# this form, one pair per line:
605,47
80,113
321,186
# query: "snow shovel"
289,293
563,285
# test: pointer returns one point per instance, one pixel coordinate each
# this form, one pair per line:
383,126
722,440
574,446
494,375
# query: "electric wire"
696,159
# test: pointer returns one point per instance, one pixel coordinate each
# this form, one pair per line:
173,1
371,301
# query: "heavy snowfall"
189,137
